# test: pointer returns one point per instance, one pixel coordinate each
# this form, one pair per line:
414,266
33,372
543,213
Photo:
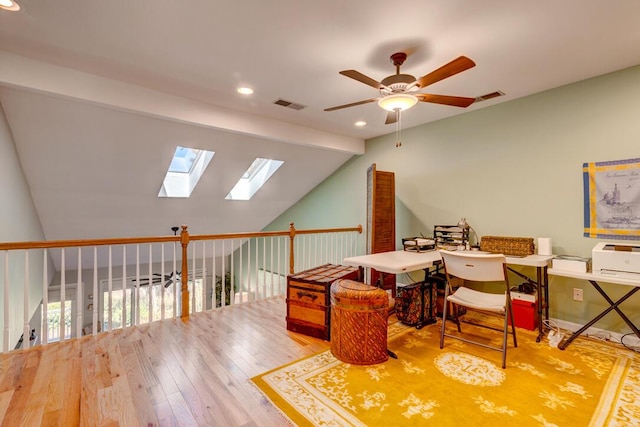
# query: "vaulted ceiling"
98,94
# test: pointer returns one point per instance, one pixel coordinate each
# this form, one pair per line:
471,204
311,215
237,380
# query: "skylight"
185,170
254,178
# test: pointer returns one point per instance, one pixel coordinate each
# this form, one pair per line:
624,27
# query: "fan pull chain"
398,130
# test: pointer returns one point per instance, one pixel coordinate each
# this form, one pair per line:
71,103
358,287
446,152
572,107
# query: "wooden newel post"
184,241
292,235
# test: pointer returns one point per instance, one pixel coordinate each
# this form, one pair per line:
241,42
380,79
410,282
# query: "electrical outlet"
577,294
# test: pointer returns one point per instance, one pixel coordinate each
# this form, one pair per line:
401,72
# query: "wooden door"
381,219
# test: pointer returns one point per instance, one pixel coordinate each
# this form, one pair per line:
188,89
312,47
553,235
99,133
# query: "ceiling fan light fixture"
9,5
398,101
245,90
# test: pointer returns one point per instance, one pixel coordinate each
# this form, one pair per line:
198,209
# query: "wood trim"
48,244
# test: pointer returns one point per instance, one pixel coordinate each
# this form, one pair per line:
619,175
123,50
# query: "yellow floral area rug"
589,384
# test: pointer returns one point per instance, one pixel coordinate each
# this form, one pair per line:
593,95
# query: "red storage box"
525,314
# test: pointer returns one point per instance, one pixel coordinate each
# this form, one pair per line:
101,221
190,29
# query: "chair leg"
505,338
444,315
456,311
513,323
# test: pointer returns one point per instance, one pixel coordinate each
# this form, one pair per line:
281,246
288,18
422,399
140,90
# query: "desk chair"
476,267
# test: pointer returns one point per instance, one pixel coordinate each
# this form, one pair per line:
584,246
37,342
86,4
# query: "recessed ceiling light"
361,123
243,90
9,5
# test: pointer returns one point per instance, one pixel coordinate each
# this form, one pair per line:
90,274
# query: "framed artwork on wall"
612,199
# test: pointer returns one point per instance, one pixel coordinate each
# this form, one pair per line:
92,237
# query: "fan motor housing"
398,83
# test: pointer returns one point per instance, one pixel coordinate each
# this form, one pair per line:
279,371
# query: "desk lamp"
464,224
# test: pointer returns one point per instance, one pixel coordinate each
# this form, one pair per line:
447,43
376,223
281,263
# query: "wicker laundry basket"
515,246
359,315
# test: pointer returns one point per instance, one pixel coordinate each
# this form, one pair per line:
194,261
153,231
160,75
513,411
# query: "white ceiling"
98,93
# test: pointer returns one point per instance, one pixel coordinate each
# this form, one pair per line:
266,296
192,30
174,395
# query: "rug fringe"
285,416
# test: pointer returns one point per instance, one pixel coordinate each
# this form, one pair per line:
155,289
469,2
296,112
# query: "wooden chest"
308,299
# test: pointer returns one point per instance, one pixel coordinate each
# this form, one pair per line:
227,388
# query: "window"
185,170
125,302
55,316
254,178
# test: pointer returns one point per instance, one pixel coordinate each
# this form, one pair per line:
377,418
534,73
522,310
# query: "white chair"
478,267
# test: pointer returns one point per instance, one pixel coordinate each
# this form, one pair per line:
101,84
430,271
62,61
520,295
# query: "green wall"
513,169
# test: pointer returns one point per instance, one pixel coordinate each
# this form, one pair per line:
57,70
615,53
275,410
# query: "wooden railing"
135,286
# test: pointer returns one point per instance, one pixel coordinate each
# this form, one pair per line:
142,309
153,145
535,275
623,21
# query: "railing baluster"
282,267
203,275
79,301
223,278
242,287
176,285
124,286
136,294
192,289
26,329
44,329
150,285
7,323
232,293
287,258
63,285
273,290
97,293
252,295
259,286
214,299
162,288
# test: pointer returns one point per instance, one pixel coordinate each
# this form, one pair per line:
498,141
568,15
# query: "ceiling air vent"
289,104
489,96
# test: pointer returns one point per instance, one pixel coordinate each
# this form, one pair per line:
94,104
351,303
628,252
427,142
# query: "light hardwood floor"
167,373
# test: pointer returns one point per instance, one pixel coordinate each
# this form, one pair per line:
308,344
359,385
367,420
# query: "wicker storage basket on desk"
359,315
515,246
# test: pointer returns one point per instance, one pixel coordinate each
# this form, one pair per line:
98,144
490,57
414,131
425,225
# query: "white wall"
513,169
18,222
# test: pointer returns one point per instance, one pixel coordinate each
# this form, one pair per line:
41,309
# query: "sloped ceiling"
98,94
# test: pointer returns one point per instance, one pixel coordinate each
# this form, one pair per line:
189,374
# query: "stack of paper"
572,263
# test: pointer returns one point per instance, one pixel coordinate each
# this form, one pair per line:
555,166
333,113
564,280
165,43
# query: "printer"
612,258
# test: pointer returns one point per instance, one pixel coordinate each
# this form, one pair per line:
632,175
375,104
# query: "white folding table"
398,262
395,262
593,278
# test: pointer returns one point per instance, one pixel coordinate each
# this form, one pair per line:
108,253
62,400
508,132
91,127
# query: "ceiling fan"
399,91
168,279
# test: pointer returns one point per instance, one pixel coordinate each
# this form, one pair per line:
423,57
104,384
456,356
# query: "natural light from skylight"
254,178
185,170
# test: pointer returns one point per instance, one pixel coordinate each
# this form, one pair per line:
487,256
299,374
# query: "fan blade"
353,104
454,67
171,280
356,75
146,279
455,101
392,117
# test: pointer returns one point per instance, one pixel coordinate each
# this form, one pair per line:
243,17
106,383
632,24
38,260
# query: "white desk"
541,264
594,278
398,262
